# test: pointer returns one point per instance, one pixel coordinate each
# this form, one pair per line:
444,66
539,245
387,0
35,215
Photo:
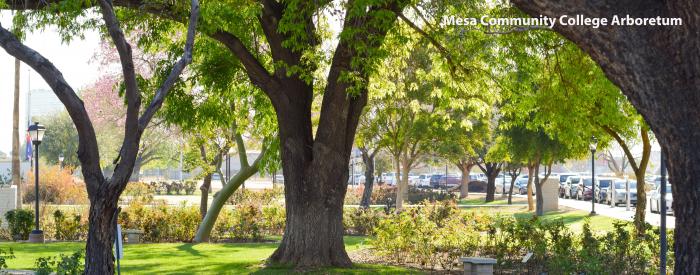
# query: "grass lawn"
185,258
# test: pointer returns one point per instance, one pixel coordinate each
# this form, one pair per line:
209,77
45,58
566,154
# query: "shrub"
259,197
139,191
68,227
20,223
361,221
61,265
161,223
56,185
422,235
435,235
4,256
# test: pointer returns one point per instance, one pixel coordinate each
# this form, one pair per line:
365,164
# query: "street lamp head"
594,144
61,157
36,132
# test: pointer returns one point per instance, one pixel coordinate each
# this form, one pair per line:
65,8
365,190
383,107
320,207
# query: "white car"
655,200
500,183
423,181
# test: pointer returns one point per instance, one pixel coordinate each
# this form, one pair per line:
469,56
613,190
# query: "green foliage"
61,265
20,222
362,221
4,256
260,197
427,235
436,235
68,228
61,138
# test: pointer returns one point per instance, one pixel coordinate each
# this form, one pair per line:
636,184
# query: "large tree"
656,67
104,192
315,162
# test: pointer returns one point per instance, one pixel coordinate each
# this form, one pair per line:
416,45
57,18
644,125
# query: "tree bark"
368,159
465,167
530,174
514,173
491,170
16,177
204,196
656,67
210,217
102,220
539,210
397,182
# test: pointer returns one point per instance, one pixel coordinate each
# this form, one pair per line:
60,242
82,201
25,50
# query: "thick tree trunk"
490,188
465,168
16,173
101,234
657,68
204,197
368,160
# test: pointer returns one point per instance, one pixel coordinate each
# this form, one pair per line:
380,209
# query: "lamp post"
60,160
36,132
593,145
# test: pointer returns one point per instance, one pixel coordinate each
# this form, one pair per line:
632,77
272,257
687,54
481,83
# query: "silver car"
655,200
618,194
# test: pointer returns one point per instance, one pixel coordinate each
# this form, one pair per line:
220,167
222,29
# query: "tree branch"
174,75
88,152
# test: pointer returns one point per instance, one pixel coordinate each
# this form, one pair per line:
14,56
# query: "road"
619,212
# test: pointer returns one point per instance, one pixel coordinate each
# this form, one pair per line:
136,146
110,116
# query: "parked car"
583,189
571,186
500,184
618,195
521,185
389,178
562,183
602,187
413,179
359,179
423,181
435,180
450,181
655,200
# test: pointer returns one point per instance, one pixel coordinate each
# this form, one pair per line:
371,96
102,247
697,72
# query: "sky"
73,59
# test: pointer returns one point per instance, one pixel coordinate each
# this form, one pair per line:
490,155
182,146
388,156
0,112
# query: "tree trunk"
539,183
406,168
491,170
16,177
530,174
656,67
465,168
368,160
204,197
510,191
204,229
397,182
101,233
490,189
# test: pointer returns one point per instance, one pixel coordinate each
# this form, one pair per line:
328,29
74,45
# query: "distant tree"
61,138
